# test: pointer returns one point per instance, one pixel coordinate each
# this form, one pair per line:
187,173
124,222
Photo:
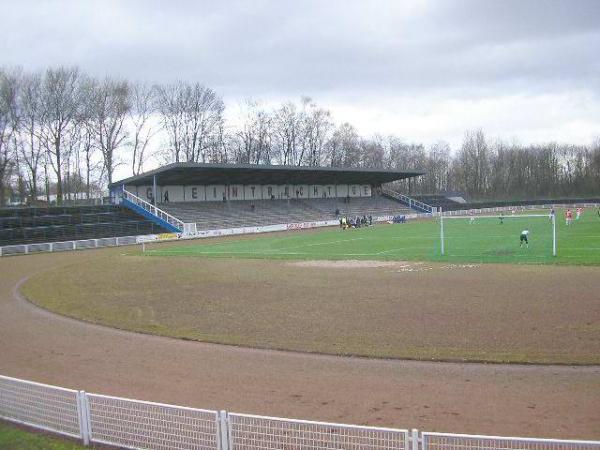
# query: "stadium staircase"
439,201
58,224
151,212
411,202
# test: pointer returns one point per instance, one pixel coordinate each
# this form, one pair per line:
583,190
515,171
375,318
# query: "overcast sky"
424,70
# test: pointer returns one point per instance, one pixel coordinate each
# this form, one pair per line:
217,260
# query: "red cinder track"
519,400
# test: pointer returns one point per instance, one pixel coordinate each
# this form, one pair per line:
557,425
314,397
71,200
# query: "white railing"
41,406
139,424
163,215
449,441
48,247
411,202
267,433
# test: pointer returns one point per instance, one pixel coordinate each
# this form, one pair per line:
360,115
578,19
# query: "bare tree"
204,122
287,122
473,163
253,138
31,149
168,102
140,116
372,152
87,151
216,148
61,99
110,109
245,134
192,115
437,165
9,119
316,129
343,147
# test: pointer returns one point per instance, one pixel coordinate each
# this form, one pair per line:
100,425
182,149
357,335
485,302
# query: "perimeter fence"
136,424
46,247
510,209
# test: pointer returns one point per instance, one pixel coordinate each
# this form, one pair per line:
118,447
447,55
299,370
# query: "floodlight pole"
442,230
553,234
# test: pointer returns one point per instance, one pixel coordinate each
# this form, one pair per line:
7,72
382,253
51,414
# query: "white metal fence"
137,424
24,249
269,433
46,407
447,441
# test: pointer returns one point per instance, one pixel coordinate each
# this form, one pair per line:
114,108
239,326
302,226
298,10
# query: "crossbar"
515,216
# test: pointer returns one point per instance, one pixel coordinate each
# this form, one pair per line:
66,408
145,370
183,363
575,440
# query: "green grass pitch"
482,240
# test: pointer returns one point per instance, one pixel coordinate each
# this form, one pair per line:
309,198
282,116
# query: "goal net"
498,237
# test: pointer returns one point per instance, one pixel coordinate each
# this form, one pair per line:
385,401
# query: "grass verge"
14,437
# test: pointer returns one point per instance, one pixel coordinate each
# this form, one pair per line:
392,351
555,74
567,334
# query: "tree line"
65,132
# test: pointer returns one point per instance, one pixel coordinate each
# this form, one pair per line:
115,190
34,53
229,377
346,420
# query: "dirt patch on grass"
353,264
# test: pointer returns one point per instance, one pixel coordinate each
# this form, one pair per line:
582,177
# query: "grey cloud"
288,48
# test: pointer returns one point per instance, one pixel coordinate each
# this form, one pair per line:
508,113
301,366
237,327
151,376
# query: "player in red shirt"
569,216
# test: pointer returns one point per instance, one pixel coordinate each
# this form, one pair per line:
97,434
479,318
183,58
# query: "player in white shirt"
523,239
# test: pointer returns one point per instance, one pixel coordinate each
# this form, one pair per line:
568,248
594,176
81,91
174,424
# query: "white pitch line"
166,253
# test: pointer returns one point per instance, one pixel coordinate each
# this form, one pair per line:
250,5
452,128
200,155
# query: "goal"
496,232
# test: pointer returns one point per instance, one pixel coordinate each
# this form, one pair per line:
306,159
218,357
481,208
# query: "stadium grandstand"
188,197
218,196
19,225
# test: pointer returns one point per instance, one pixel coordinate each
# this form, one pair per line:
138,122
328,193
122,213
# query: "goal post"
501,218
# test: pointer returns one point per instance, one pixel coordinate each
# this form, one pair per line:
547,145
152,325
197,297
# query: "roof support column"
154,202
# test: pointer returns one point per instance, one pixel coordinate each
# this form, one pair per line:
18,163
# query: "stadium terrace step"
231,214
36,225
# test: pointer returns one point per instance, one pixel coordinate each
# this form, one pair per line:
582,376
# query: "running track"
518,400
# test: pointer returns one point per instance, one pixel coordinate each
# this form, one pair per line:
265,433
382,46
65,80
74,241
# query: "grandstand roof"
196,173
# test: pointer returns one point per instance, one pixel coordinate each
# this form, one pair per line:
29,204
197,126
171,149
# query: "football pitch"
482,240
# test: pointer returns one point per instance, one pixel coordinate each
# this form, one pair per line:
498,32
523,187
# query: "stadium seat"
231,214
55,224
